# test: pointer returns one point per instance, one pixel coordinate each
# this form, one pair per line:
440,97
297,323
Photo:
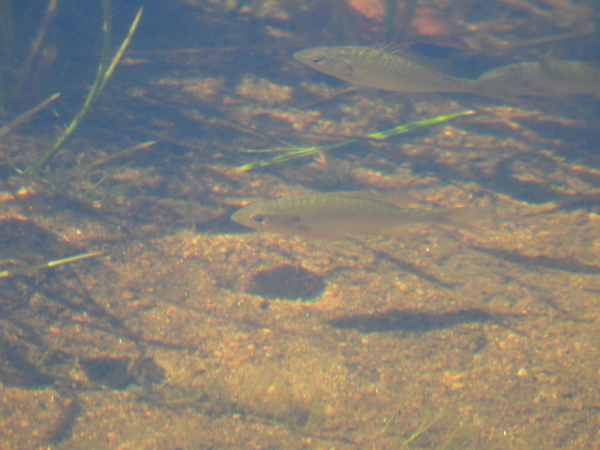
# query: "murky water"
193,332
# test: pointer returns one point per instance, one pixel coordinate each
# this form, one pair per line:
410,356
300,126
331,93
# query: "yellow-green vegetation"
68,182
104,72
433,432
14,123
58,262
287,154
424,436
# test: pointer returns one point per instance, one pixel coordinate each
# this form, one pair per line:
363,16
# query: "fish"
544,78
388,68
336,215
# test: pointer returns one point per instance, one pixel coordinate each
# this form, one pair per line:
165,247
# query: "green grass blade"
299,153
30,269
25,116
122,49
104,72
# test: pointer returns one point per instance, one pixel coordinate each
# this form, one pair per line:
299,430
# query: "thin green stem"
93,94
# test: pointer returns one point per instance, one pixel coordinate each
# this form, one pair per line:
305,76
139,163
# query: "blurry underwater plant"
19,84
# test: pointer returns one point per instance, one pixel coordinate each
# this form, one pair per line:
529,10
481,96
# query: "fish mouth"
304,54
236,217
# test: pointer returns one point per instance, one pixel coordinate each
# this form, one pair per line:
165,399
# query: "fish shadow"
566,264
414,321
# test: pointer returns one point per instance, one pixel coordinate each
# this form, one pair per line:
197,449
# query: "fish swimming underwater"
544,78
387,68
338,214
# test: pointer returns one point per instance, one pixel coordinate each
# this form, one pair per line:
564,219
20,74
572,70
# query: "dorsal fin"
398,199
389,47
400,52
407,55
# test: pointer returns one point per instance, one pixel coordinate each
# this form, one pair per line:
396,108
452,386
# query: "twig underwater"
294,153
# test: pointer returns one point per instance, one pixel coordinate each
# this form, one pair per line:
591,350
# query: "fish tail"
464,217
485,88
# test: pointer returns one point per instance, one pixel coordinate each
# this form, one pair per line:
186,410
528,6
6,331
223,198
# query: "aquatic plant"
431,433
104,72
35,268
9,127
13,78
56,178
294,153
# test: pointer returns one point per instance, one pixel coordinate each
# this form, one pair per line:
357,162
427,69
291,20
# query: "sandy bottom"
438,339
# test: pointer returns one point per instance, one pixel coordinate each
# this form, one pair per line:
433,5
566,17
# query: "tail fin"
486,87
464,217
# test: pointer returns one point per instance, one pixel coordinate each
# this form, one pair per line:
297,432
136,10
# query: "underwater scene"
299,224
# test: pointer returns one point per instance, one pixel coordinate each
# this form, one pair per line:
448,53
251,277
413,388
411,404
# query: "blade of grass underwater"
125,152
123,47
35,48
300,152
104,72
108,175
26,115
30,269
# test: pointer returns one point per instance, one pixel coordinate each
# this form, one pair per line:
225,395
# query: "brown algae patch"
263,91
201,87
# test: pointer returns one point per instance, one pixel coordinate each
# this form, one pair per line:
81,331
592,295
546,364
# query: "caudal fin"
488,88
467,217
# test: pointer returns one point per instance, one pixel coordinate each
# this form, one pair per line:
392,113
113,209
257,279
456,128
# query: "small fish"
387,68
338,214
544,78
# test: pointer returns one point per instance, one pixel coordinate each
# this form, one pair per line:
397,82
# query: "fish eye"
258,218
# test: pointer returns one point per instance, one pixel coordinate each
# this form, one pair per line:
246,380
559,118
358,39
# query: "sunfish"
338,214
387,68
544,78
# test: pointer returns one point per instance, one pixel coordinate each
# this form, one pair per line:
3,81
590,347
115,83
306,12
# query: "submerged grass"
9,127
294,153
430,433
35,268
424,426
104,72
62,180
